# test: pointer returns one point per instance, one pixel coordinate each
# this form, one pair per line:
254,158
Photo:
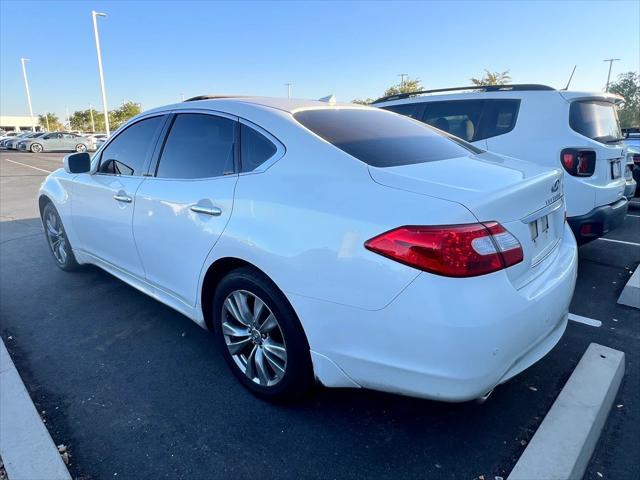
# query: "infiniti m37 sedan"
323,242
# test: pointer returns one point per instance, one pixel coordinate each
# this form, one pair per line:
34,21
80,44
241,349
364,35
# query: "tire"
35,148
81,148
57,239
258,361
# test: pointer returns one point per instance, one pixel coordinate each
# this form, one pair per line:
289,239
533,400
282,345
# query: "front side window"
255,148
379,138
198,146
127,153
459,118
596,120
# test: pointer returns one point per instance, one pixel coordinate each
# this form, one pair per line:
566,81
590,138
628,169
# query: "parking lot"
137,390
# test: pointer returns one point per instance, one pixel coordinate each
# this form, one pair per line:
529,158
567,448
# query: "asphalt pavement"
137,390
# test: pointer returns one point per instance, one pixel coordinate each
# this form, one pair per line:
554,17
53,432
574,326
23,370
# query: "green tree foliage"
81,119
54,121
492,78
628,87
408,86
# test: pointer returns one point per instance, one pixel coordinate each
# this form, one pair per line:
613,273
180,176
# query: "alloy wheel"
36,148
56,237
81,148
254,338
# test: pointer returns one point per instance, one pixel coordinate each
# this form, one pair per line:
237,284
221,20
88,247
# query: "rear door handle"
213,211
122,198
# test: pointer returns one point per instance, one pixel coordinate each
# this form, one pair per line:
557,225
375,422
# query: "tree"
628,87
492,78
81,119
54,122
126,111
410,85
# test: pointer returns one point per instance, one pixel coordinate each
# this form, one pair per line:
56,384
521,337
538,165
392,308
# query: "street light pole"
289,89
610,60
402,75
93,125
26,86
95,14
46,119
68,120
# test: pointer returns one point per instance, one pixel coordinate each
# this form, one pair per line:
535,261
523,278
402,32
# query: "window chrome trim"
280,152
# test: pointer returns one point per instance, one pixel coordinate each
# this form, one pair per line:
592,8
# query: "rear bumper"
601,220
630,189
442,338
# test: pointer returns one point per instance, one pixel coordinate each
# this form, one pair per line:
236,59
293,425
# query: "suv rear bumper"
601,219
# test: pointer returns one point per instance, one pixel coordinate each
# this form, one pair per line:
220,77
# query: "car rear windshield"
379,138
596,120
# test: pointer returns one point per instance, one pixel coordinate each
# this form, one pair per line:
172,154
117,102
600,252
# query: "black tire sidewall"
298,376
80,148
38,148
71,263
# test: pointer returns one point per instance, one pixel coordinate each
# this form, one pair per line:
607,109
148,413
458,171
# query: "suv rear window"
596,120
378,138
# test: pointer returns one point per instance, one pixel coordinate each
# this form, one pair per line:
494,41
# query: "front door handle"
122,198
213,211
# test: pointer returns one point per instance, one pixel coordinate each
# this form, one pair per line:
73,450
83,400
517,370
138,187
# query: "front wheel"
81,148
36,148
57,239
260,335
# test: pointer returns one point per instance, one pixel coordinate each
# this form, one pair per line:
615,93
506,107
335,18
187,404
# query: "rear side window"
459,118
596,120
379,139
255,148
127,153
407,109
198,146
499,117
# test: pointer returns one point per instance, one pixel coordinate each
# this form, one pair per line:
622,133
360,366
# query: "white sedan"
326,242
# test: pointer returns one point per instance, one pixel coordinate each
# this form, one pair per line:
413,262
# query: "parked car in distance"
95,140
576,131
12,143
10,136
632,137
633,163
334,242
55,142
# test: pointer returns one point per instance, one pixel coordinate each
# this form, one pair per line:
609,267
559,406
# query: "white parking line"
632,215
619,241
30,166
585,320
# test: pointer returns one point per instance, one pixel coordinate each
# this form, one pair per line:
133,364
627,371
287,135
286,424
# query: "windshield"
380,138
596,120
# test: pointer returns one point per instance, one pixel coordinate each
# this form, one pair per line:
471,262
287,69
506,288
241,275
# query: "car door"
104,200
53,142
183,208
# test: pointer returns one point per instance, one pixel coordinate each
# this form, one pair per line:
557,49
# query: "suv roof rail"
211,97
485,88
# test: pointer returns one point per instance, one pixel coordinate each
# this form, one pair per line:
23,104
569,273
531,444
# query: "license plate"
616,170
539,227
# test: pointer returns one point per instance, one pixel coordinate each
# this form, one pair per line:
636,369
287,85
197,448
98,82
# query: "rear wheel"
81,148
57,239
261,338
36,148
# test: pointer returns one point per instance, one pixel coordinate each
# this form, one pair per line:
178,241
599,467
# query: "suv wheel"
261,338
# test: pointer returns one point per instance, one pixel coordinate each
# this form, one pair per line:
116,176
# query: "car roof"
290,105
494,91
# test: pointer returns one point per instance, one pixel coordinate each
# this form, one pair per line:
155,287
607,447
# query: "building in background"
17,122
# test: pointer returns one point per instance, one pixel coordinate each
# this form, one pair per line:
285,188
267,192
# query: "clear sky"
153,51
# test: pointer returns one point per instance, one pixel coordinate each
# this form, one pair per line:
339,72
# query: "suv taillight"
450,250
579,163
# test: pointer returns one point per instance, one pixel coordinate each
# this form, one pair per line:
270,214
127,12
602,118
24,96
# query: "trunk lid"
525,198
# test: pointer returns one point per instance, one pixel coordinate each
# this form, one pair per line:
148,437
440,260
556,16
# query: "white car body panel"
302,218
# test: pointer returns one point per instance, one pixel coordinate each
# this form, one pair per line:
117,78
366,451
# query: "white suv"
577,130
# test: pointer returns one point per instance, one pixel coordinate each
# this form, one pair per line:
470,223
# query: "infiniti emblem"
556,186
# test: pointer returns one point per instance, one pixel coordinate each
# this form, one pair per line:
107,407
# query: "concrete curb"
563,444
630,295
27,450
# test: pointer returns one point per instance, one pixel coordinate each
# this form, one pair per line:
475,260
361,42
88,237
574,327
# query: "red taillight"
450,250
579,163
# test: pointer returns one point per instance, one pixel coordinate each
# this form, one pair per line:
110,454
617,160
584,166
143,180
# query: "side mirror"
77,163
